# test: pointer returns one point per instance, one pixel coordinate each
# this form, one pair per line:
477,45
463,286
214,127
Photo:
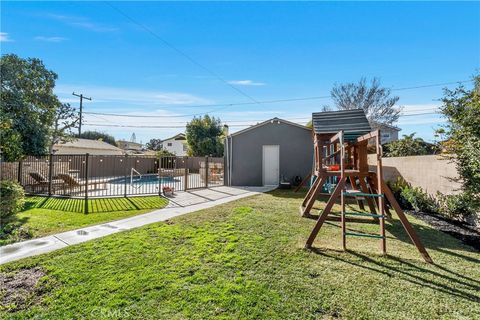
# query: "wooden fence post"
206,172
86,183
50,173
186,174
125,176
160,175
20,165
225,169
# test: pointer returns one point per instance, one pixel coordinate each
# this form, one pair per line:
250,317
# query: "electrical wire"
261,102
305,119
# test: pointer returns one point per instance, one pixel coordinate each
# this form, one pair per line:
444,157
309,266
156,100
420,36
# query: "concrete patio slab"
182,203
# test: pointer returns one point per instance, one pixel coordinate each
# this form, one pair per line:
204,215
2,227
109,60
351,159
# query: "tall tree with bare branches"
377,102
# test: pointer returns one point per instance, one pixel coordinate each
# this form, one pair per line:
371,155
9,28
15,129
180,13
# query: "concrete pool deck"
181,203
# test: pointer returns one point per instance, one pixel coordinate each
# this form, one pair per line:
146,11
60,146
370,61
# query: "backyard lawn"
245,259
43,216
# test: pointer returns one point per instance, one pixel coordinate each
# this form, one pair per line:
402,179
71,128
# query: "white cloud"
50,39
4,37
82,22
246,83
131,96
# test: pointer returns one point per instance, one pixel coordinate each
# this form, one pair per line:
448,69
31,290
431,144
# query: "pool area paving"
181,203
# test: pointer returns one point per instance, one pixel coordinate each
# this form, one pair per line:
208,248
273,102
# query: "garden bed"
460,230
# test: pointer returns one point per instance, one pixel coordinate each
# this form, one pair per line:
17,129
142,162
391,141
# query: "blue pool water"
150,179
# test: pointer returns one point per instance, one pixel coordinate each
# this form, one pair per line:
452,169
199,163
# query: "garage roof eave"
267,122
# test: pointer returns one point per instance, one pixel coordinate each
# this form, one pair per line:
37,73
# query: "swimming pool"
147,179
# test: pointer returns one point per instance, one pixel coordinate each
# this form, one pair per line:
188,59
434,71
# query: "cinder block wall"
432,173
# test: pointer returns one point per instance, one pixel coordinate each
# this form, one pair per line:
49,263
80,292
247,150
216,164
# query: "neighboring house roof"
141,152
383,125
278,120
86,146
123,144
352,122
180,136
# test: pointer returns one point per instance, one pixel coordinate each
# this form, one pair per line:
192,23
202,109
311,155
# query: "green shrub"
409,146
409,197
457,206
419,199
12,199
397,187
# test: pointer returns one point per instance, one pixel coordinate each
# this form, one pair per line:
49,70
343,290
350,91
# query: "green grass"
245,259
44,216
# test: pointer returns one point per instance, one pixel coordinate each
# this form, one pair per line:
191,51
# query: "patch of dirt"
460,230
19,289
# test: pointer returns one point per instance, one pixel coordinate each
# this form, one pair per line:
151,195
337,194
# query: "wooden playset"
341,142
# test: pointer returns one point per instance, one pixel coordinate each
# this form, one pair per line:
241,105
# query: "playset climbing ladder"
342,157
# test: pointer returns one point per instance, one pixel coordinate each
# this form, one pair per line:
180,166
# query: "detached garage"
267,153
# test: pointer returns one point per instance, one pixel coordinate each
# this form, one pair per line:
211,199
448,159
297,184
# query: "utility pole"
81,96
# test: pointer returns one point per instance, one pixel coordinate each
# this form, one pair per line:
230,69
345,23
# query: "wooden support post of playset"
325,213
304,181
405,223
311,196
378,151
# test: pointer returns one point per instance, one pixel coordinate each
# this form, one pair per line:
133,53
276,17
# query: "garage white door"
271,165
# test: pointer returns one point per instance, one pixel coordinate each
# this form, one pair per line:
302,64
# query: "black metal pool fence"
99,176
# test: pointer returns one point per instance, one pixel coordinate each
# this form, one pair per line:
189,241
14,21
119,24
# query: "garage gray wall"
296,152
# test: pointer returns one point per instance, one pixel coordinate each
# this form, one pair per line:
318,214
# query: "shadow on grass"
410,272
431,238
95,205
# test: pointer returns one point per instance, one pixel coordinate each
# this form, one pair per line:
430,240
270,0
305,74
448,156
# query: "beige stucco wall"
432,173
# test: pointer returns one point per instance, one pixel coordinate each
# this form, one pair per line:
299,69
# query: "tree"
375,100
205,137
27,106
461,107
408,146
10,141
96,135
154,144
66,118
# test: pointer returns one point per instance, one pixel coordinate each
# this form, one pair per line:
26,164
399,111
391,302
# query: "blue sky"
267,50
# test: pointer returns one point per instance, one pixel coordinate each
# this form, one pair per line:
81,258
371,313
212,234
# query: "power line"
225,122
171,46
225,105
431,85
208,105
141,116
249,103
150,127
418,114
152,116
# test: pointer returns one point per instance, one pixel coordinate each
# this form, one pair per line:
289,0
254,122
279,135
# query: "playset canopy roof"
353,122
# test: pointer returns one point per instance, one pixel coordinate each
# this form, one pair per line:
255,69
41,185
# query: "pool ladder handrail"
131,175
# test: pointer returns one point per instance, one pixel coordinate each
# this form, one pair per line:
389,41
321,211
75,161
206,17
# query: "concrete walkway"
181,203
